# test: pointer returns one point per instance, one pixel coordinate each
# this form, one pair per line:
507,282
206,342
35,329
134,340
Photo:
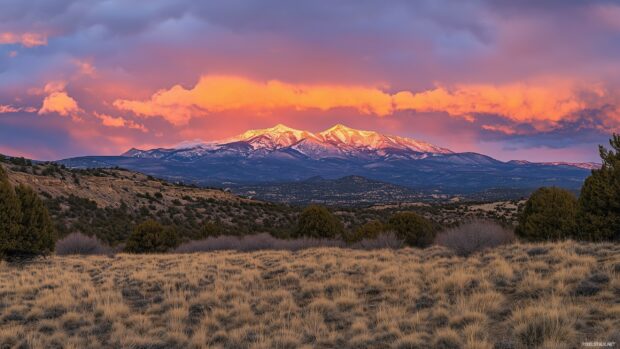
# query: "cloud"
540,104
8,109
85,67
58,101
5,108
111,121
214,94
25,39
418,64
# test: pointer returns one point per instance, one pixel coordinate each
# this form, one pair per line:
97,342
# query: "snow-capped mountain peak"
376,141
338,141
342,134
275,137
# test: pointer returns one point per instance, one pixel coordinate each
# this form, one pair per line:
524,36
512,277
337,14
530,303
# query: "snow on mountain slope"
317,149
338,141
348,137
279,136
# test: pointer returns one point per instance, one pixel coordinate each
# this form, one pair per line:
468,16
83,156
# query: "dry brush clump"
514,296
80,244
265,241
475,236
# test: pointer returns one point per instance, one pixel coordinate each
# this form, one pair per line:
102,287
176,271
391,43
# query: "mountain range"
283,154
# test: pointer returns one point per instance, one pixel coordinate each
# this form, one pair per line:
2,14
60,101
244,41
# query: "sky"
521,79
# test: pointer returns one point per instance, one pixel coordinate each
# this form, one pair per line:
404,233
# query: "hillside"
108,202
110,187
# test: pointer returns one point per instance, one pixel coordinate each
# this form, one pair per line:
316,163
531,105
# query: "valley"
108,203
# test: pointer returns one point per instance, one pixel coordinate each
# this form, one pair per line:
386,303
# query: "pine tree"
10,214
37,234
549,214
600,197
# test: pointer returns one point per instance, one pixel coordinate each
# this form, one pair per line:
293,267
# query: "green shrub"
414,229
316,221
151,237
599,202
210,229
370,230
37,233
549,214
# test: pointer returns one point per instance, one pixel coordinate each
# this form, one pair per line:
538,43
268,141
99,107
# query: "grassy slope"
553,295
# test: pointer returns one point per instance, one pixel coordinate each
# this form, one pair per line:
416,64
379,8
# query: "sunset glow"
516,80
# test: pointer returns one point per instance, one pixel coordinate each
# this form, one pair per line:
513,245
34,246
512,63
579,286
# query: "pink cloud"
24,39
13,109
111,121
58,101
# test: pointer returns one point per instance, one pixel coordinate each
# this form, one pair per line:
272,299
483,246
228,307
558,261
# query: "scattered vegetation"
552,295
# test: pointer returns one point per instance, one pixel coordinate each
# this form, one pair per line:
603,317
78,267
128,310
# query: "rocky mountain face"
283,154
337,142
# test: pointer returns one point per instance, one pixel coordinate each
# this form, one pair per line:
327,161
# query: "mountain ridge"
338,141
283,154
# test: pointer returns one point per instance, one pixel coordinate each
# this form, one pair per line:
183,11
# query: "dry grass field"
516,296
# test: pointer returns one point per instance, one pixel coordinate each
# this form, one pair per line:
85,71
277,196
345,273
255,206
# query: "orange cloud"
111,121
518,102
221,93
25,39
542,103
58,101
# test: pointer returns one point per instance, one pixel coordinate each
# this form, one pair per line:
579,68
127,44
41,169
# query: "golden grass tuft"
515,296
